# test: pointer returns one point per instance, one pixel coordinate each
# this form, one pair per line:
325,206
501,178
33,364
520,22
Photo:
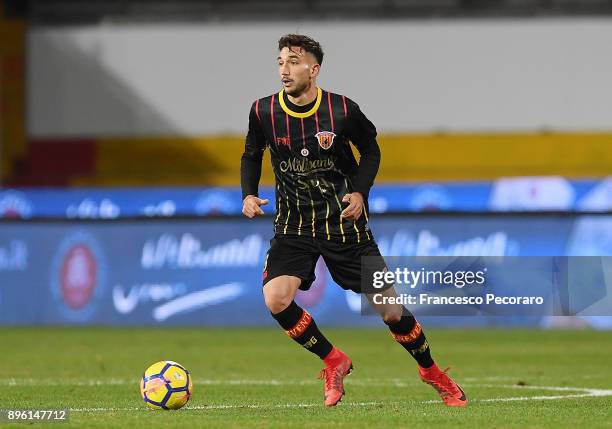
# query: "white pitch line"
532,387
586,393
246,406
541,398
354,404
12,382
579,392
491,378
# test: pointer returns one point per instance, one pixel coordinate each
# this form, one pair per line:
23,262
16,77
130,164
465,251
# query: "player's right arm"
250,167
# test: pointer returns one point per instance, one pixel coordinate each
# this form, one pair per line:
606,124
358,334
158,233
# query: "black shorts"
297,256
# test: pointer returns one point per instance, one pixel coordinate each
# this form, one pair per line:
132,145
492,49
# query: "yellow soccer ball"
166,385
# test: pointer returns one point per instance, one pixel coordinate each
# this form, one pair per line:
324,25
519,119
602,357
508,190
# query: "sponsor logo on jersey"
325,138
283,140
304,165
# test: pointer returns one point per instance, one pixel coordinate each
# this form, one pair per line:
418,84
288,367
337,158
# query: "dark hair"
304,42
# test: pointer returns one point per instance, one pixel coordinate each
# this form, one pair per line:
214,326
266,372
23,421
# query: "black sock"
300,326
409,334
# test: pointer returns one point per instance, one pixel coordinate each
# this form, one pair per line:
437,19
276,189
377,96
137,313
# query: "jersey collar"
290,112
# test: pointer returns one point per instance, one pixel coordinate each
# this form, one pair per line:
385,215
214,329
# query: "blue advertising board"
208,271
502,195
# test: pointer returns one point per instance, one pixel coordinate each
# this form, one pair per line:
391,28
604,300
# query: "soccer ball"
166,385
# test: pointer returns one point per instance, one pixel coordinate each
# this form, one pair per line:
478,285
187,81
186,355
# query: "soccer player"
321,210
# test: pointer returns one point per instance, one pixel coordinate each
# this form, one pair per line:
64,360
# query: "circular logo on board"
14,205
78,276
305,152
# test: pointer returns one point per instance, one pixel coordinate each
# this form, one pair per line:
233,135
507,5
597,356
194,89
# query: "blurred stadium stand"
116,159
198,161
13,142
64,12
110,158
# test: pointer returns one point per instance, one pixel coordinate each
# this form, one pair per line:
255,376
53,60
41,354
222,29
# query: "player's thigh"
292,257
344,262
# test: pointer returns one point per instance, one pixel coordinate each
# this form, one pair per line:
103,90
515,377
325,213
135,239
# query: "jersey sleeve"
362,133
250,164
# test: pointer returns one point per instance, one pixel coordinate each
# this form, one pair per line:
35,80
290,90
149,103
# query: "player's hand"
251,206
355,207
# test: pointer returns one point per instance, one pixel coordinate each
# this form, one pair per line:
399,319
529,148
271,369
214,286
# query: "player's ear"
314,70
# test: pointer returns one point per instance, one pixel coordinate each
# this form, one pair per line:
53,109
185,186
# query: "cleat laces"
332,378
444,385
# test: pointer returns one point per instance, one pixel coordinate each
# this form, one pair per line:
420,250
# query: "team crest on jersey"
325,138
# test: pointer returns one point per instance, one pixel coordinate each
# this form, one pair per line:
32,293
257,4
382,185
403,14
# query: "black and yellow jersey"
313,163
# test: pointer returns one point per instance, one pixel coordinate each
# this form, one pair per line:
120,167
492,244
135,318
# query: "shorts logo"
325,138
265,267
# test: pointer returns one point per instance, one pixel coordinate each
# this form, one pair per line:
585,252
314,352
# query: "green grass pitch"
259,378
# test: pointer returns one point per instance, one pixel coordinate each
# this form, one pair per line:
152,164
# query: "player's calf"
407,331
297,322
301,327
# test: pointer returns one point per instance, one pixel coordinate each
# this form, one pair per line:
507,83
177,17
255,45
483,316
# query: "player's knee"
276,300
392,316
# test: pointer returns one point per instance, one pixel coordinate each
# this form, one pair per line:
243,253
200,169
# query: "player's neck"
306,97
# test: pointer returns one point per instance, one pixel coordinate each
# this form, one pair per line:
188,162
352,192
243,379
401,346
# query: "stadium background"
122,126
122,244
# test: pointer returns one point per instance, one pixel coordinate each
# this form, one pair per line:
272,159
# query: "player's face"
297,69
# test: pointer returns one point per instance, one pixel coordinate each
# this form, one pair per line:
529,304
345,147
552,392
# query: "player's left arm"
362,132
